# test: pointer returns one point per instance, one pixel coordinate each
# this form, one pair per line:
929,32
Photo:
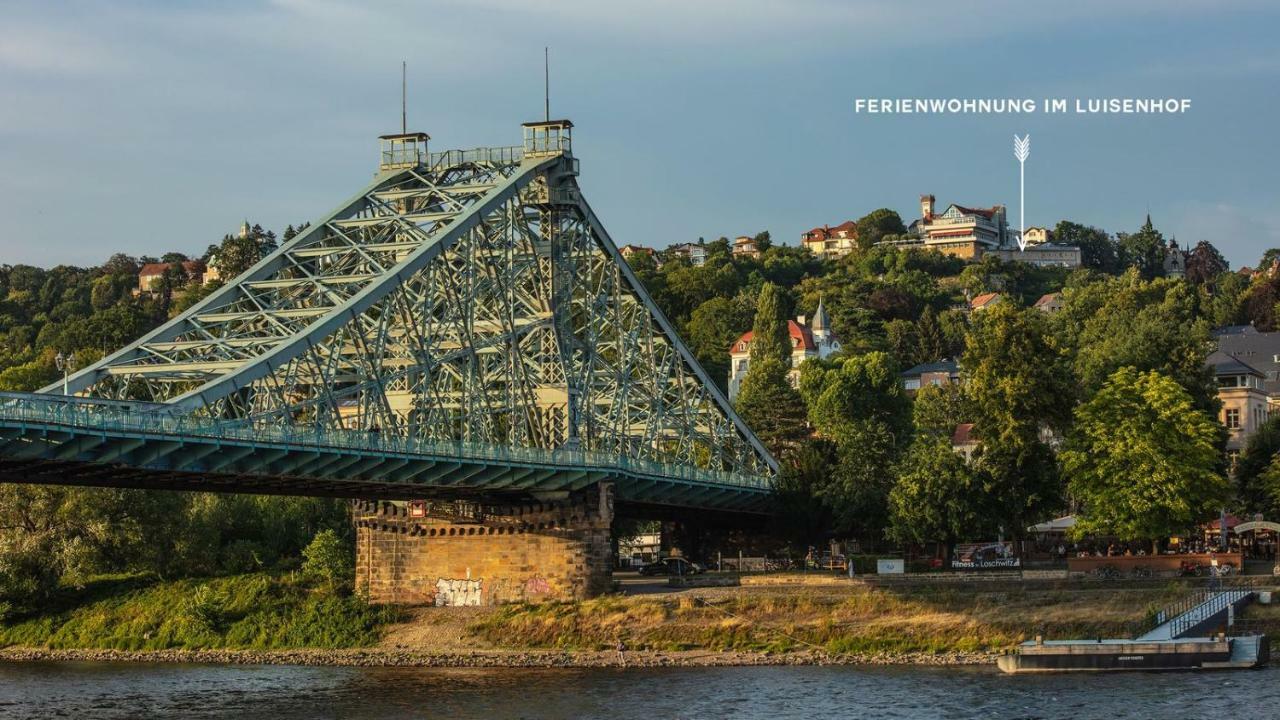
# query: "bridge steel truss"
473,298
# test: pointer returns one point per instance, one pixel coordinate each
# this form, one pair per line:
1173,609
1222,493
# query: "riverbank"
380,657
273,620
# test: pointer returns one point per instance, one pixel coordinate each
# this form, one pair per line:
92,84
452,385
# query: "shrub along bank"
256,611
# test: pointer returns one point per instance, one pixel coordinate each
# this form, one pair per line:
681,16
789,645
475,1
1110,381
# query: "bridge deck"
52,440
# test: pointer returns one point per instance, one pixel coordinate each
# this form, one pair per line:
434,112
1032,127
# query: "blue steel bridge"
462,328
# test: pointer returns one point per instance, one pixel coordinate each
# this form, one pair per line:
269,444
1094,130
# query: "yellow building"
1244,401
960,231
831,243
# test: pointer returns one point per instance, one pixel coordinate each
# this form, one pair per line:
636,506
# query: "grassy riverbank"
858,619
258,611
264,617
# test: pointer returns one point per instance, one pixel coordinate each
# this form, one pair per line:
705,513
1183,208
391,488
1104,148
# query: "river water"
85,690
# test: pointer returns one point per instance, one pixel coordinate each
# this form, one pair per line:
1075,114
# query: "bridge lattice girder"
473,298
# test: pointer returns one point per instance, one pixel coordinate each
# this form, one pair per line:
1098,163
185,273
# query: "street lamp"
67,364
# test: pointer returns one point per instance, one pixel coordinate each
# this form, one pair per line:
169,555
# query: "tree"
858,403
1142,460
1261,450
1098,251
1269,259
845,390
1204,264
802,517
1144,250
936,497
875,225
937,410
1016,376
856,489
770,334
713,327
330,561
763,240
771,406
1149,325
1020,386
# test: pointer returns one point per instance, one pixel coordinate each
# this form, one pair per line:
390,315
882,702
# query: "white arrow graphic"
1022,150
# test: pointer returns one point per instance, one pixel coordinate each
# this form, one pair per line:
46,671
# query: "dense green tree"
1222,301
1142,460
1098,251
852,388
1021,387
713,327
937,410
1259,302
856,489
802,517
1269,259
1259,453
771,406
770,337
937,497
875,225
1130,322
858,403
329,561
1144,250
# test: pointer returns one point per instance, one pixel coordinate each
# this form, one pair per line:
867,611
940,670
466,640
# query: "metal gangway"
1196,611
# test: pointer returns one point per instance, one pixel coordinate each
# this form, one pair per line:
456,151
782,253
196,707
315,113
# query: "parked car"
672,566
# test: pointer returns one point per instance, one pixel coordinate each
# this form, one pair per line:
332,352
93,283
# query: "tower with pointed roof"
821,325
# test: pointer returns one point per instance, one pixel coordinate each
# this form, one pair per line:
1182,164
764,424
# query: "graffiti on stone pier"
536,585
457,593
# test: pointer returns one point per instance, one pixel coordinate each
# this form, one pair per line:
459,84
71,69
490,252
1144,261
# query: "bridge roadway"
55,439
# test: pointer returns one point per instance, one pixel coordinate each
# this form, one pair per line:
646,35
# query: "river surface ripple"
85,690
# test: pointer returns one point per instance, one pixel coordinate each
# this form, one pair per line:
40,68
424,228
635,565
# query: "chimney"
926,207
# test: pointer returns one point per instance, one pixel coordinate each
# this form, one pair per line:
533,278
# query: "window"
911,384
1233,419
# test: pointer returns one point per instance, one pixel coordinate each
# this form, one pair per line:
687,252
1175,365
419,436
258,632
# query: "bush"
206,610
329,561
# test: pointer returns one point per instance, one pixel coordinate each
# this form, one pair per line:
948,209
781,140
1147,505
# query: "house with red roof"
984,301
1049,303
150,274
630,251
964,232
811,340
831,242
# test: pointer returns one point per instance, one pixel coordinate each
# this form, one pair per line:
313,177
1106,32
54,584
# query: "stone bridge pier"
538,551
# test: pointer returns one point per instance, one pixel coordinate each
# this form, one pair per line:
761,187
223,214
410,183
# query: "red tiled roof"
1046,299
984,212
191,266
963,435
794,329
983,300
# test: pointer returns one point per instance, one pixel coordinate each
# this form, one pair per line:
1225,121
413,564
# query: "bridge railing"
124,416
507,155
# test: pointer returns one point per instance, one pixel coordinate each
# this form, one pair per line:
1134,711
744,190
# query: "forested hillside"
862,458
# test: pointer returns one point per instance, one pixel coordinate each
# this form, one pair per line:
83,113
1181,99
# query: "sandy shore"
385,657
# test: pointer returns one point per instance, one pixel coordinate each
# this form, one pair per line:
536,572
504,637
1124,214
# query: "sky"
146,127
